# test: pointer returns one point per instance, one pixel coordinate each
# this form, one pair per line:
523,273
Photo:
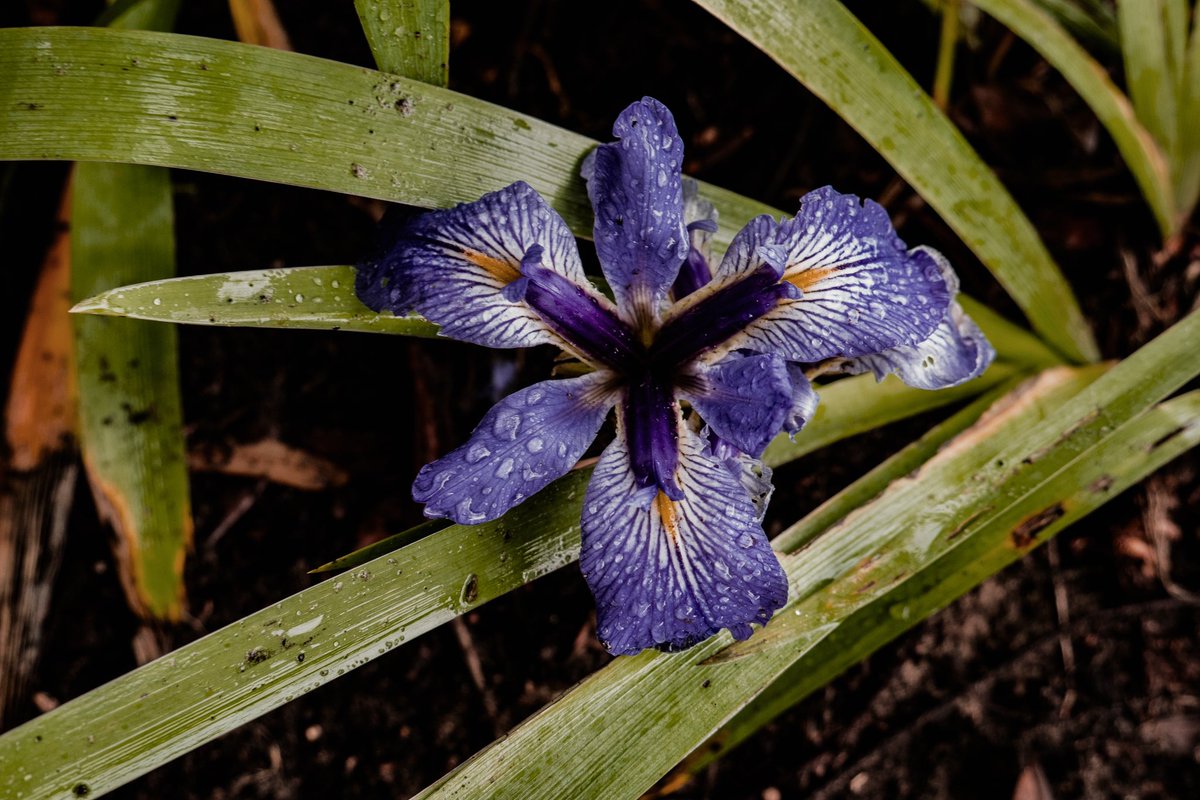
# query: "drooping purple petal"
859,291
700,218
523,443
955,352
634,185
669,574
453,267
804,399
744,399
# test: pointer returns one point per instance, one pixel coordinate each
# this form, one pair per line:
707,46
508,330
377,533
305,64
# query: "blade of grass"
858,404
828,50
1149,72
1002,484
1141,152
409,38
270,115
1152,440
320,298
170,706
131,418
323,298
1092,21
943,76
1188,181
265,114
898,465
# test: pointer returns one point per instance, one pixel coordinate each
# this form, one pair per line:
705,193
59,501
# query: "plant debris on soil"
1076,669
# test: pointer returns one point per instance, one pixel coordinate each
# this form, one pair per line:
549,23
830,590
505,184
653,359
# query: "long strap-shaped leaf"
322,298
214,106
257,113
1004,484
830,52
409,38
130,407
1141,153
1143,446
147,717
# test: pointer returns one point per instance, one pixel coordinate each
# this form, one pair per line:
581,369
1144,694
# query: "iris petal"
453,267
669,574
955,352
859,291
700,217
744,399
636,192
526,441
804,400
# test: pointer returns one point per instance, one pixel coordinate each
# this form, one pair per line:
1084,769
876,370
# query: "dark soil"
1077,661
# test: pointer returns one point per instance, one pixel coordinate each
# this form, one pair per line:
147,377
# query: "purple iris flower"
703,366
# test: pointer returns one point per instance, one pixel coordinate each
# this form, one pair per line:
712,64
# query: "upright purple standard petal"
859,291
744,399
700,217
453,267
526,441
669,574
636,193
954,353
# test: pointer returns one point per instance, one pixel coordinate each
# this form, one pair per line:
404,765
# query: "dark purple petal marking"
669,574
744,399
454,267
860,292
650,419
579,315
635,187
526,441
717,316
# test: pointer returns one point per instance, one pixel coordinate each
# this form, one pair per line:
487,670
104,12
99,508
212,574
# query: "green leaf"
830,52
131,418
323,298
1141,153
1151,71
855,405
1007,483
1094,21
233,109
319,298
130,409
409,38
230,108
902,463
238,673
1188,181
1146,444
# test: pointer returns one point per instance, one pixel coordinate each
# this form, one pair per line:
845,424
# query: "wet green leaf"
830,52
407,37
1139,149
